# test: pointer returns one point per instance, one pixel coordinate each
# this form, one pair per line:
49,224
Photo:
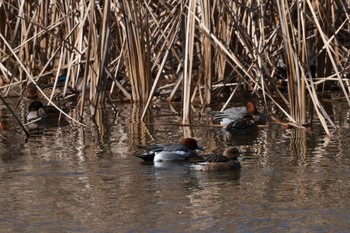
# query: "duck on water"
232,114
219,162
170,152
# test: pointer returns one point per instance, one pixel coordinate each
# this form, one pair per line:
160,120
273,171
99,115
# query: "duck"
231,114
219,162
171,152
37,111
63,91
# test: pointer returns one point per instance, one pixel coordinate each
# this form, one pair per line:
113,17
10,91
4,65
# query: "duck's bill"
200,148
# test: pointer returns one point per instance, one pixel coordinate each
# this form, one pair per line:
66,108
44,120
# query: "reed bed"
134,50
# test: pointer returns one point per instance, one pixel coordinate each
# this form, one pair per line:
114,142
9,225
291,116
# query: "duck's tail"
145,156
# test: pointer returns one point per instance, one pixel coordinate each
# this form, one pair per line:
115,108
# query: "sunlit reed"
130,50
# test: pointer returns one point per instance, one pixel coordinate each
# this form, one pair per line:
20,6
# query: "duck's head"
31,91
191,143
251,108
231,153
35,105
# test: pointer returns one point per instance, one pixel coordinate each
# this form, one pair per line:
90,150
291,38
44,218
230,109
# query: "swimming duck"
37,111
171,152
227,161
227,116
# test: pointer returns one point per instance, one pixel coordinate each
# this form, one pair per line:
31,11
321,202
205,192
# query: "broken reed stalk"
16,118
207,56
171,42
294,79
98,97
138,47
188,60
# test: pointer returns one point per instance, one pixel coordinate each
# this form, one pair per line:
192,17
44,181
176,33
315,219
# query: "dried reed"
203,46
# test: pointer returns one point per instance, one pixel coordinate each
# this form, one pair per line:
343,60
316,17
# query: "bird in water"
170,152
219,162
38,113
232,114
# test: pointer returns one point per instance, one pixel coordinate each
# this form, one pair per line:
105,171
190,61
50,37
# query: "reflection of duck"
171,152
229,115
227,161
37,111
243,125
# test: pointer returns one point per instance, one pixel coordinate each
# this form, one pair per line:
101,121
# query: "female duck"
171,152
227,161
229,115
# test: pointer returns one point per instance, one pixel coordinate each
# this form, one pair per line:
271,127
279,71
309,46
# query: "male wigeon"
227,161
231,114
171,152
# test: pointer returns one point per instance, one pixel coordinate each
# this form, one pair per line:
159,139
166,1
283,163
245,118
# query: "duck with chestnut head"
232,114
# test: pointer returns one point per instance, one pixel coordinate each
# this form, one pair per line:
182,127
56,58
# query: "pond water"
85,179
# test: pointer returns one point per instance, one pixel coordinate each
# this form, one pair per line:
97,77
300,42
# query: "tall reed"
193,47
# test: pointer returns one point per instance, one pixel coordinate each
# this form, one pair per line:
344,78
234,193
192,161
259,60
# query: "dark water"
76,179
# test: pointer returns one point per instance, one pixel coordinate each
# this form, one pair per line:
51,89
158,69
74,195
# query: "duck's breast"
31,116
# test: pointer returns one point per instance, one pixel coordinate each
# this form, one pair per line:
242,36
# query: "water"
75,179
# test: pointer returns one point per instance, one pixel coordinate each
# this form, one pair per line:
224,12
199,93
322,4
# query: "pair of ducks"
186,150
240,119
236,120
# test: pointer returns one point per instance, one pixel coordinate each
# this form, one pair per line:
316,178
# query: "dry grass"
195,47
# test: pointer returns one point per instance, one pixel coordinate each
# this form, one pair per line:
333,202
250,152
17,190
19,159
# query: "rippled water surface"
85,179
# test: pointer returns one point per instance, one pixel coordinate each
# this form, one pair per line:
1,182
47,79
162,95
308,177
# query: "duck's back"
151,151
218,164
174,152
230,115
222,166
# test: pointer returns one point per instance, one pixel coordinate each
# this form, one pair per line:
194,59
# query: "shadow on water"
72,178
